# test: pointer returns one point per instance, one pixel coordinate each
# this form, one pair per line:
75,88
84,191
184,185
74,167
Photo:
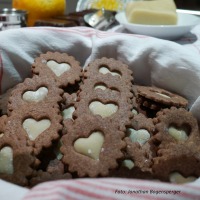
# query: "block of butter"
155,12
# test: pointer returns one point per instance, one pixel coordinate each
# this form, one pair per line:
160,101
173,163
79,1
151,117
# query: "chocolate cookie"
61,67
113,69
38,92
178,163
138,147
92,146
4,101
54,171
16,160
68,106
90,85
157,98
110,105
38,127
3,122
175,125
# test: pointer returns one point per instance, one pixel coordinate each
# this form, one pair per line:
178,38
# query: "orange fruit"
40,9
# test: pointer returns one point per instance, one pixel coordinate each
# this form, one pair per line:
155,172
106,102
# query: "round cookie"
55,171
16,160
138,148
178,163
110,105
175,125
91,146
38,127
61,67
91,84
38,92
113,69
157,98
68,106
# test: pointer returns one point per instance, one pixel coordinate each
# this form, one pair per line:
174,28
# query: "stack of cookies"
65,122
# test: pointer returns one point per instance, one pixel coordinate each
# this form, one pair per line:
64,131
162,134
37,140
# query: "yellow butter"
155,12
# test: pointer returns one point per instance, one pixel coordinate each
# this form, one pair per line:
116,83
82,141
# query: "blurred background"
71,4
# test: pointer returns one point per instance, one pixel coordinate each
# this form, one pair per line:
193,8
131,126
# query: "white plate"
185,23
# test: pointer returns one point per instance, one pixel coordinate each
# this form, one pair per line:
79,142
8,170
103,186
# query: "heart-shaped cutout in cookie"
179,179
180,134
128,164
100,86
103,87
90,146
105,70
104,110
6,160
34,128
35,96
141,136
68,112
58,68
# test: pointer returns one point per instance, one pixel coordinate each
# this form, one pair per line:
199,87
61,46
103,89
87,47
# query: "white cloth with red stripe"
174,66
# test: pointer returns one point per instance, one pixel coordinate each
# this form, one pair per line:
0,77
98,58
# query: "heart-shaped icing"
104,110
179,134
90,146
6,160
179,179
35,128
105,70
35,96
58,68
141,136
68,113
163,95
134,111
100,86
128,164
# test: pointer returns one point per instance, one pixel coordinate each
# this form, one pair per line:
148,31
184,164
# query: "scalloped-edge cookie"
92,84
112,68
61,67
157,98
38,127
109,105
36,91
68,106
138,147
175,125
178,163
55,171
92,146
16,160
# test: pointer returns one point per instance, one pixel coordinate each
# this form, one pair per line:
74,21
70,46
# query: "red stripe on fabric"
112,190
67,186
50,195
1,72
183,194
86,34
83,192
